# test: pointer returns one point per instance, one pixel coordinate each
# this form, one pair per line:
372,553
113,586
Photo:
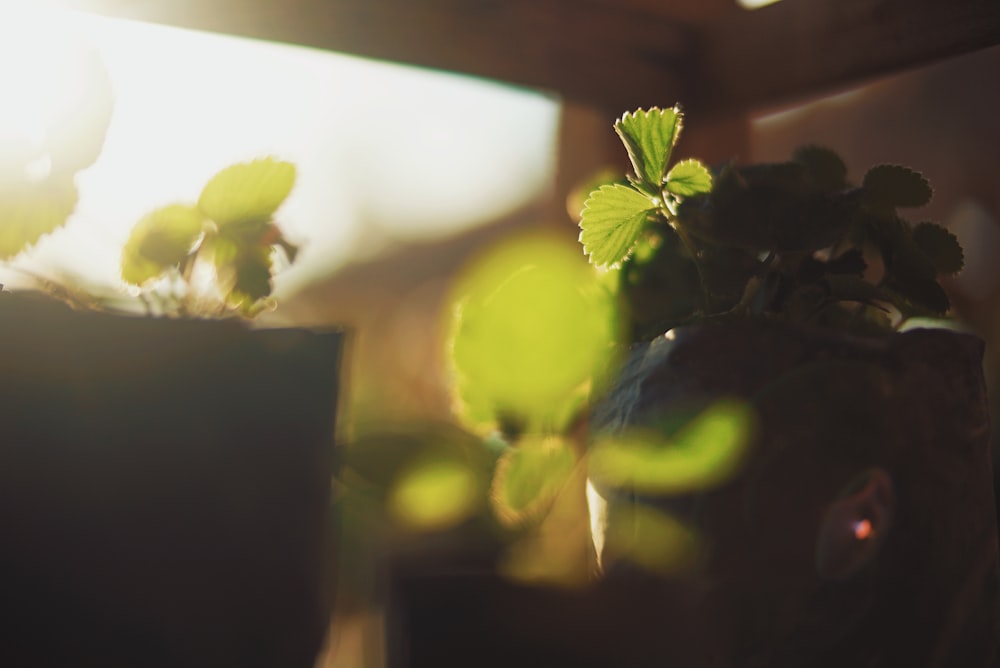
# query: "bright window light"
755,4
384,153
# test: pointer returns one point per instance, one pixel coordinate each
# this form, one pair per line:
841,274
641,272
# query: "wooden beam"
586,50
799,48
614,54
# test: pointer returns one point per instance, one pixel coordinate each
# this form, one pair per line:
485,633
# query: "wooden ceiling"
613,54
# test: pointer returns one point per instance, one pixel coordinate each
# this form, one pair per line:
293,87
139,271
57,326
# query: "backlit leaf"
532,325
652,540
612,219
253,277
29,213
704,454
160,240
940,246
434,495
888,186
250,191
649,137
528,478
688,178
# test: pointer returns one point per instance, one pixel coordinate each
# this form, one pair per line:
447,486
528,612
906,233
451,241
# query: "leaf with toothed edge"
649,137
890,186
689,178
613,217
940,246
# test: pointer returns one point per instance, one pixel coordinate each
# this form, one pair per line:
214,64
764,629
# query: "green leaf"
253,275
434,495
826,169
613,216
649,137
890,186
940,246
160,240
250,191
532,328
529,477
688,178
704,454
29,213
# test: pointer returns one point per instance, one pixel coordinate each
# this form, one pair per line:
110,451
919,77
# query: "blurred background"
407,174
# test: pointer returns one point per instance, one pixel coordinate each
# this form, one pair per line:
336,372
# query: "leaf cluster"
794,240
230,231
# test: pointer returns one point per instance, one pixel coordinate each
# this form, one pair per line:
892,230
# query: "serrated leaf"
29,213
162,239
250,191
689,178
649,137
252,269
613,216
889,186
826,169
528,478
940,246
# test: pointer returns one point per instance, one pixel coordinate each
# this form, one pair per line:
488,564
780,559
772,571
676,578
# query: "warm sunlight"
385,153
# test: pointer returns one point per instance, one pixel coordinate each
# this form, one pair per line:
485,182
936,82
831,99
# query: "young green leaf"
250,191
612,219
529,477
253,275
160,240
940,246
688,178
28,214
649,137
890,186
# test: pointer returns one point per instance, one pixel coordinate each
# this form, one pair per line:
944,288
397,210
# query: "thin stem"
674,222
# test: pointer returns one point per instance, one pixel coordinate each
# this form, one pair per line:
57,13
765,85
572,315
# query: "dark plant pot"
164,490
891,432
894,429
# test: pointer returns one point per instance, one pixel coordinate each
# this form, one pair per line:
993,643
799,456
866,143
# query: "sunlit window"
384,152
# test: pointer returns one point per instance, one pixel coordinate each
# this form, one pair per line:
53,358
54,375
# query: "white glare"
385,153
755,4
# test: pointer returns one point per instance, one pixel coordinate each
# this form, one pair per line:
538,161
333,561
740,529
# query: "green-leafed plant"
228,236
794,240
209,259
675,243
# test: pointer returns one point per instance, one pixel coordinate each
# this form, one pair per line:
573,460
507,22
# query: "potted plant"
165,473
790,467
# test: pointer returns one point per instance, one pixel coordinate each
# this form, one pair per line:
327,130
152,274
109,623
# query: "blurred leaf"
613,216
434,495
529,477
253,276
160,240
824,167
688,178
704,454
29,212
532,328
653,540
649,137
890,186
250,191
940,246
